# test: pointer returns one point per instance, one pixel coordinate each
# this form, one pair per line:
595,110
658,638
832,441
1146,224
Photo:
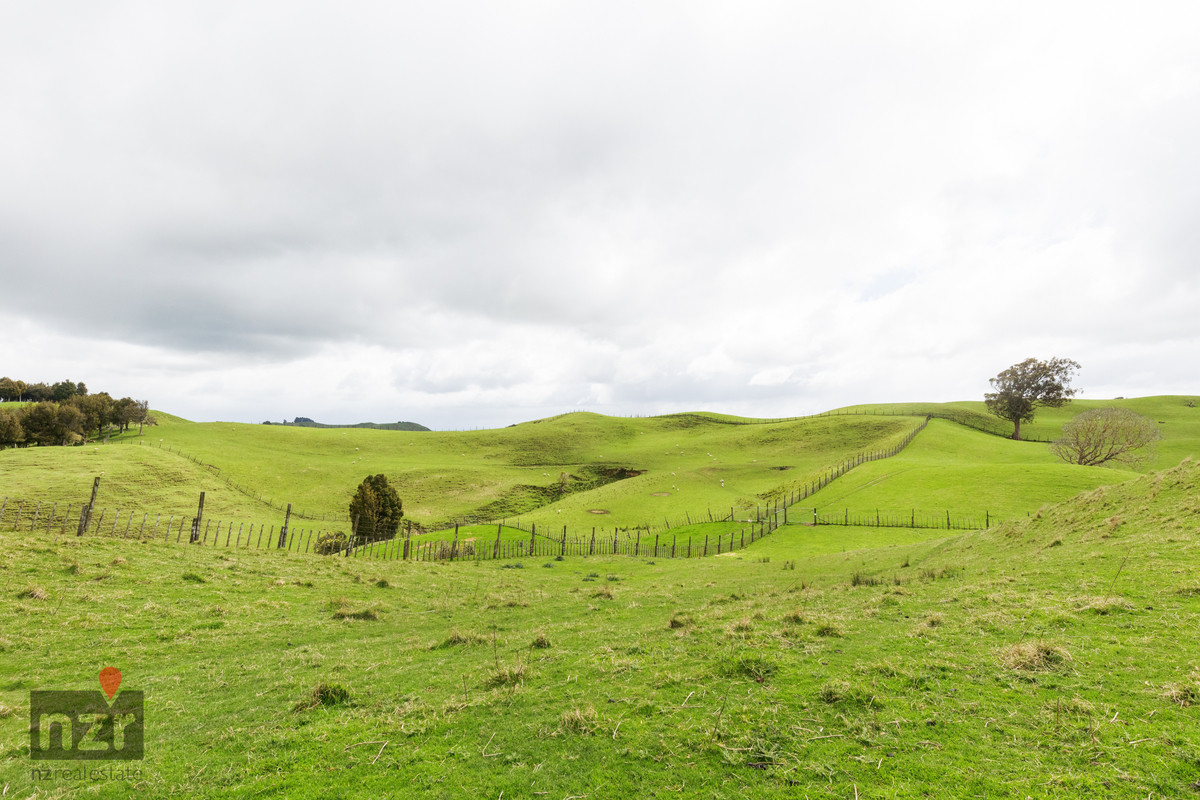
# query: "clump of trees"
375,509
1020,390
64,413
12,391
1104,435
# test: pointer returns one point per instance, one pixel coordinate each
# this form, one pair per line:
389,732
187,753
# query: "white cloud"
470,214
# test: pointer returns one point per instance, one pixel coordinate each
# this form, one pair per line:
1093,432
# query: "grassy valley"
1052,655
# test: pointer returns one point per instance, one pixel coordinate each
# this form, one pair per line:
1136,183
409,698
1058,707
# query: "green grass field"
687,467
687,464
1052,657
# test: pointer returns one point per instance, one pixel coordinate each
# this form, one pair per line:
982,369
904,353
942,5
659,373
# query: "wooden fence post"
283,532
83,519
195,536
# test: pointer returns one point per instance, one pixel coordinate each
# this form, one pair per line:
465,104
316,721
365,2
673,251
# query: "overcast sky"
468,214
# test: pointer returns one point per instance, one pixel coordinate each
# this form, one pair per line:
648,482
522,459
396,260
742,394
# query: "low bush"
331,543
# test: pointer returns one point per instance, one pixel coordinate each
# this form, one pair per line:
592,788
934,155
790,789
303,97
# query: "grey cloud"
523,205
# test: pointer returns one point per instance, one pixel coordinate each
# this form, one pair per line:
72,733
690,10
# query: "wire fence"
61,519
711,534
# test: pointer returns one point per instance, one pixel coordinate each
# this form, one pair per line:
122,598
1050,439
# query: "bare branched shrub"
1107,434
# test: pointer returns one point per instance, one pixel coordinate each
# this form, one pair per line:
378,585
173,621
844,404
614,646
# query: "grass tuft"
33,592
829,629
1183,693
325,694
1103,605
1034,656
506,676
580,721
457,638
859,579
343,610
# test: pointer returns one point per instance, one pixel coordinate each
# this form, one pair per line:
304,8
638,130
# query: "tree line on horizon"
64,413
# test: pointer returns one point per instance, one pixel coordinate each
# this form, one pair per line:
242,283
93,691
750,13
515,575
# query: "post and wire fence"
710,534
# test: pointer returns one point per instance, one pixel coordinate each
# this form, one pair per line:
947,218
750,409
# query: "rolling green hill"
677,462
581,470
1052,657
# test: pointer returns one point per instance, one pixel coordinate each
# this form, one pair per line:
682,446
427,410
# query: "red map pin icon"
110,680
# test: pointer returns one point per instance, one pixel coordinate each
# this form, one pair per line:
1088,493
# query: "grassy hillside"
685,463
1051,658
954,468
1180,421
578,470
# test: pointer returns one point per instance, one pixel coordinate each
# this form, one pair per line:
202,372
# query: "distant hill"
305,422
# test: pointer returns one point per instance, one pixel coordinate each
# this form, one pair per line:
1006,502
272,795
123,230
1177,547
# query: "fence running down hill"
726,533
245,491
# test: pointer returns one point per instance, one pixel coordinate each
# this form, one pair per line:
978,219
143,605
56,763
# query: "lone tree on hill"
1106,434
1022,388
377,509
